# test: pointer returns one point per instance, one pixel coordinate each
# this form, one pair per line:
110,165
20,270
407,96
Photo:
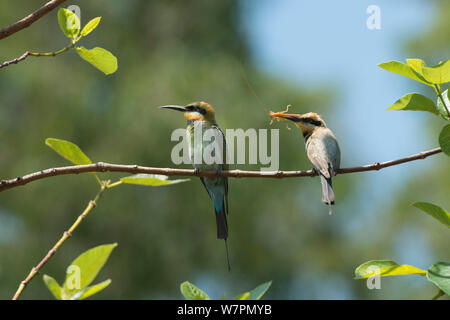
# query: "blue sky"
317,44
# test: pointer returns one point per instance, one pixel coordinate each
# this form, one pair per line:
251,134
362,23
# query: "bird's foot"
196,171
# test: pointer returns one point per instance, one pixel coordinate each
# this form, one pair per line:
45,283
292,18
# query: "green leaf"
442,109
437,74
90,26
404,70
68,22
387,268
439,274
150,180
100,58
416,64
444,139
89,291
259,291
53,286
244,296
191,292
68,150
415,102
435,211
88,264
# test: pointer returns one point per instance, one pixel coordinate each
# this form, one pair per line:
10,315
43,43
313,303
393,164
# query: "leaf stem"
98,179
67,234
52,54
438,295
439,94
114,184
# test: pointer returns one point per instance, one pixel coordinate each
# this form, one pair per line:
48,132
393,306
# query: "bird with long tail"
200,117
322,148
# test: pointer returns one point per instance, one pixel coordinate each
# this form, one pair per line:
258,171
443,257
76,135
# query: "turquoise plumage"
200,118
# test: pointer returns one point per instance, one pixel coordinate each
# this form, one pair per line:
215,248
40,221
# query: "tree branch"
36,54
109,167
66,235
16,60
28,20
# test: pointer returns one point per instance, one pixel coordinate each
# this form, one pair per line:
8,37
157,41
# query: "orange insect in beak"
292,117
284,115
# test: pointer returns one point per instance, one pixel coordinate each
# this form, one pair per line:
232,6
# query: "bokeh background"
315,55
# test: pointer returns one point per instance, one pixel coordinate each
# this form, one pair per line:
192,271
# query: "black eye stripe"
312,121
196,109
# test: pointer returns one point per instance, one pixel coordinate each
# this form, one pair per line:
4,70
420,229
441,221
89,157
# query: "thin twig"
35,54
28,20
67,234
16,60
108,167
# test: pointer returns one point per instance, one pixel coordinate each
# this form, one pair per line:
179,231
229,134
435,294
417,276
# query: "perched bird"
200,116
322,149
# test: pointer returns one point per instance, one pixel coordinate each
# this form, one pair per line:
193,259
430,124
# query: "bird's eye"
196,109
313,122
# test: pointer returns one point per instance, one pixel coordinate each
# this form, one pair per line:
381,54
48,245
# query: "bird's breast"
203,141
323,143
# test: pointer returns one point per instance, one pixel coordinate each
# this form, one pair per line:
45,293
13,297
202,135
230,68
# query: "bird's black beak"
292,117
178,108
289,116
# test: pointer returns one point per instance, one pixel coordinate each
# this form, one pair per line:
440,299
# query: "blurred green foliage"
176,52
434,43
191,292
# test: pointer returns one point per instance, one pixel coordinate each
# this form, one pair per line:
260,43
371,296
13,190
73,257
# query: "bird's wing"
224,165
333,152
224,147
316,152
202,179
